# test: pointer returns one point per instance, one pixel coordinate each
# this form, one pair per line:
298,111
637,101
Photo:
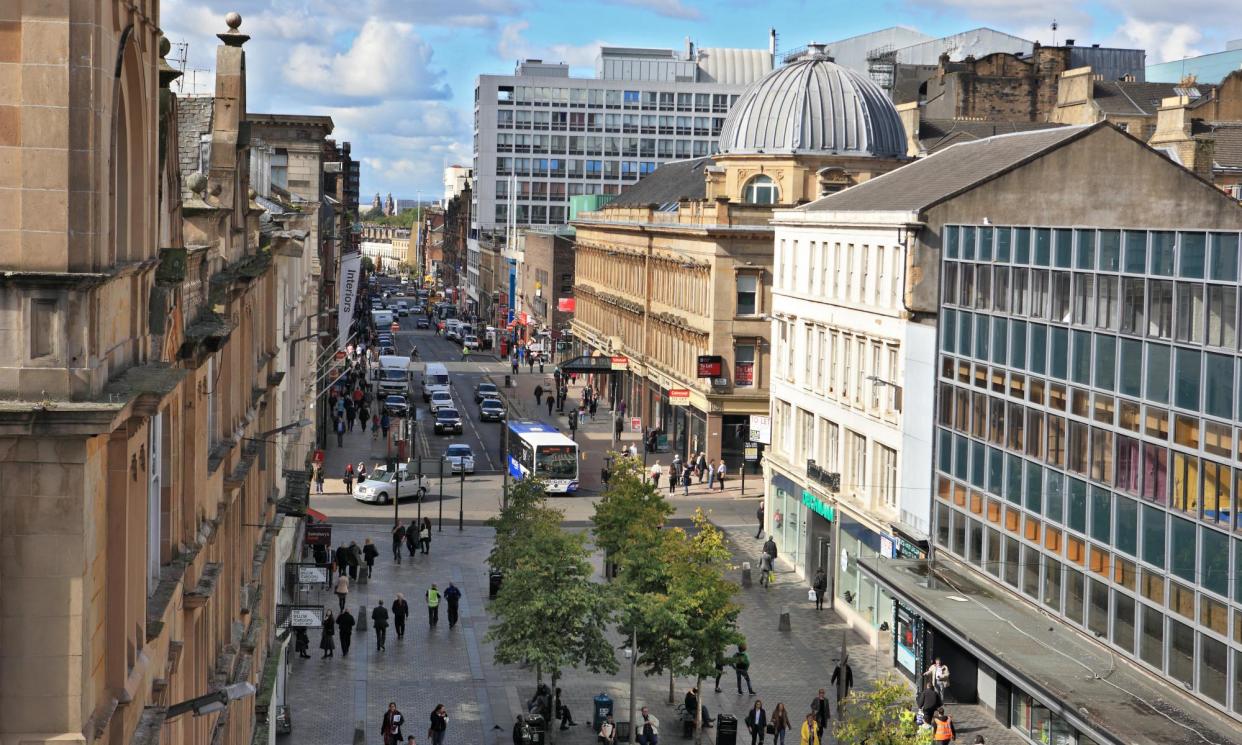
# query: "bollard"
361,623
746,574
783,625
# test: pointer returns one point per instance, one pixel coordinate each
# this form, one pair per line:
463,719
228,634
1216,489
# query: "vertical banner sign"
347,282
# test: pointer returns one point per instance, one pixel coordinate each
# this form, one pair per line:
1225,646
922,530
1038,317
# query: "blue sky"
397,76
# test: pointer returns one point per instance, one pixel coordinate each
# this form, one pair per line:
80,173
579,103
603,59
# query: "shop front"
859,598
802,526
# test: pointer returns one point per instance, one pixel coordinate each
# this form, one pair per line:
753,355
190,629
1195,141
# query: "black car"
396,405
492,410
448,421
422,323
485,390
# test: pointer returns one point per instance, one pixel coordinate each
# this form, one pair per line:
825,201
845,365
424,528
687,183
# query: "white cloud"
513,45
1163,40
385,60
667,8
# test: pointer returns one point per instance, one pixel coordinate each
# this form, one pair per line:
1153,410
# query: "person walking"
942,727
513,361
811,731
757,723
741,666
452,596
721,470
433,606
411,537
928,702
702,464
720,666
342,589
821,710
327,635
673,474
424,535
648,728
759,519
341,556
355,560
685,480
348,478
938,674
400,609
390,727
379,619
843,680
821,588
769,548
301,643
398,538
538,395
369,555
318,478
340,433
439,725
656,471
550,401
765,569
345,627
364,415
780,724
385,423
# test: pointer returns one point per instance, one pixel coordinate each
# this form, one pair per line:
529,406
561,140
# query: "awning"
316,515
1097,691
587,365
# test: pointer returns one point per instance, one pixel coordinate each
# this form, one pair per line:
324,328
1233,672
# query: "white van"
393,374
382,319
452,329
435,378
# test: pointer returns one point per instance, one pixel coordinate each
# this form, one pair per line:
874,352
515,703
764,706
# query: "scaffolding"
882,66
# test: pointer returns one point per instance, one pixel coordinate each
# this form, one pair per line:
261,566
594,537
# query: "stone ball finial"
165,46
234,20
197,183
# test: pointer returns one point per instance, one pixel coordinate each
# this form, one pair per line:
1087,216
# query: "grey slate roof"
937,134
668,184
1228,152
193,121
955,169
1119,97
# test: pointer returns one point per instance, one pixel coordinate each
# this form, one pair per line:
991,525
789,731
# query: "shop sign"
711,366
814,504
312,575
679,397
319,534
760,429
620,363
886,547
636,424
299,616
566,304
752,453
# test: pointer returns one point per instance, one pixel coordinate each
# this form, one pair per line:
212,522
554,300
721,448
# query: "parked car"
396,405
448,421
441,400
485,390
381,486
470,342
460,458
492,410
422,323
387,350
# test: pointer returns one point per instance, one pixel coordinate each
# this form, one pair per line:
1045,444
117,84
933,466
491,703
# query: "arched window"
760,190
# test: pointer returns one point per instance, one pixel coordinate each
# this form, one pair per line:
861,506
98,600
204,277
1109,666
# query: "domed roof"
814,105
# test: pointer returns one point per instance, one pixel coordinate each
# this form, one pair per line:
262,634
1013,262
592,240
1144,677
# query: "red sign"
711,366
319,534
678,397
744,373
636,424
620,363
566,304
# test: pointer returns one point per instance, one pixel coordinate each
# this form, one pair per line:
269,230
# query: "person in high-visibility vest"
433,605
943,730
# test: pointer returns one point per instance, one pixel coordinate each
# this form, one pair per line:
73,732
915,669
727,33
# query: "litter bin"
493,584
508,382
538,729
726,729
603,708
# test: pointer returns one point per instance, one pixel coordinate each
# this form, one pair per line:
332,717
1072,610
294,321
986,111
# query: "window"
886,475
760,190
856,463
747,294
743,364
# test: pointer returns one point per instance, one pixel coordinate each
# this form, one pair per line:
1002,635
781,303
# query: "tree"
880,715
549,613
526,511
368,266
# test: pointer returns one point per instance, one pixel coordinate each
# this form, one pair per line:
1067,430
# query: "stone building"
1203,131
146,367
546,276
675,273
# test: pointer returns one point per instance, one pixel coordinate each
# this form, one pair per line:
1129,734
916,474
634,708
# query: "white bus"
535,447
435,378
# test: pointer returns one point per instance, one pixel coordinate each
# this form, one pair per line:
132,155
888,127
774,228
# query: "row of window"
600,97
1143,613
577,168
799,438
844,273
560,121
1191,312
1163,253
632,147
1185,377
536,214
840,365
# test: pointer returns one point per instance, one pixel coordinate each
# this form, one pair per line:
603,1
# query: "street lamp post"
440,520
461,500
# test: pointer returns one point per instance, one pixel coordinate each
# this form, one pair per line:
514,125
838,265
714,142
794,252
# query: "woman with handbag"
779,724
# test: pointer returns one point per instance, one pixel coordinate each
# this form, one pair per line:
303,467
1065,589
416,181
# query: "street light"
210,703
296,425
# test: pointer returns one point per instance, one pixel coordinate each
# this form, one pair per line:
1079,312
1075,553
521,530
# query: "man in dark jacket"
452,596
342,560
379,619
398,538
369,554
769,548
400,609
928,701
843,679
345,627
821,709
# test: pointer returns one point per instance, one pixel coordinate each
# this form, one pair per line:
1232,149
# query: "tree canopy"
880,715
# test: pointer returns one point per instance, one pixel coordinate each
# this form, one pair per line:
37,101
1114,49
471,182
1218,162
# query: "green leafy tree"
880,715
525,512
367,265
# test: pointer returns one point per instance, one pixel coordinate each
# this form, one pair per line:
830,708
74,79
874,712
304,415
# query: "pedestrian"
562,712
439,723
720,666
821,588
317,477
633,450
363,416
607,734
691,704
400,609
379,619
349,478
433,606
720,473
779,724
769,548
390,727
618,426
759,518
341,559
550,402
685,481
327,635
943,729
843,679
938,673
702,464
648,728
821,709
521,732
673,473
342,589
741,666
398,538
361,471
513,361
345,627
811,731
385,422
540,364
349,414
711,474
592,407
411,537
355,560
369,554
530,361
928,702
424,535
538,395
757,722
340,433
452,596
301,643
765,569
375,427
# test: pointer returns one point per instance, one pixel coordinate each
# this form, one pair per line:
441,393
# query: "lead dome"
813,106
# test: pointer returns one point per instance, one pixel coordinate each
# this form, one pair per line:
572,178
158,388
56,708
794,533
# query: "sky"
397,76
